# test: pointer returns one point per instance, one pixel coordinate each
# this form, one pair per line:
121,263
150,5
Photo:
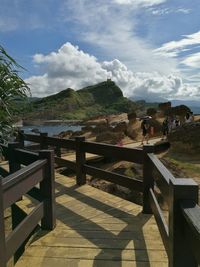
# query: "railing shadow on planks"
181,234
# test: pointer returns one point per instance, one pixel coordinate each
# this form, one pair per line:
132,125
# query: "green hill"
100,99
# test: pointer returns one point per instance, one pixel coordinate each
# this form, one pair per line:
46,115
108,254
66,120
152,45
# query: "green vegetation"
189,165
101,99
12,89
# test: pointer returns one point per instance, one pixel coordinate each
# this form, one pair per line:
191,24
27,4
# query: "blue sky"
150,48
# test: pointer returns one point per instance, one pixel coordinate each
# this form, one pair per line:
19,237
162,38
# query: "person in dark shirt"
145,126
165,128
177,122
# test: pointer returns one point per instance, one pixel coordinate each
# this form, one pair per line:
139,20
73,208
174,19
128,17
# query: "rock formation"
185,138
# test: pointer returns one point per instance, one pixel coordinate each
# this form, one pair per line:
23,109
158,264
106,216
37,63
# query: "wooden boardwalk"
96,229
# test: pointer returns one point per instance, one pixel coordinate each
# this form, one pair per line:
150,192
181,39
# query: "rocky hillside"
100,99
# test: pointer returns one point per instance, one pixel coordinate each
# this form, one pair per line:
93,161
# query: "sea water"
51,129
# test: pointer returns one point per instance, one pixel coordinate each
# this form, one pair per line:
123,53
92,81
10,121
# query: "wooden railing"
181,233
18,182
80,166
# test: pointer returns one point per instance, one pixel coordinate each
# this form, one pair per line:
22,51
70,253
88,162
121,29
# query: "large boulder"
130,127
151,112
185,138
164,106
132,116
109,137
120,127
102,128
131,132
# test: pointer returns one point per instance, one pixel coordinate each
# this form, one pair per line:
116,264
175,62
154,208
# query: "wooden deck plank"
113,243
92,234
61,262
72,157
101,254
95,228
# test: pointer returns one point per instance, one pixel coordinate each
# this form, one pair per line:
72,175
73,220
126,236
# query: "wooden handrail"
160,220
122,180
32,137
12,179
163,177
19,182
191,214
24,157
158,165
16,238
119,153
64,143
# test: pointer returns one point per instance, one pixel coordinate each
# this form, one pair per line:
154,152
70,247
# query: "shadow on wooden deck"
96,229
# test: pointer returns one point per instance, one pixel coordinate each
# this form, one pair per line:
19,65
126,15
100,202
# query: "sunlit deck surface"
95,228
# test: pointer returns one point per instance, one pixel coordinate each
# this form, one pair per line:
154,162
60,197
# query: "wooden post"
148,181
47,187
179,251
2,229
21,138
13,165
80,161
58,151
43,142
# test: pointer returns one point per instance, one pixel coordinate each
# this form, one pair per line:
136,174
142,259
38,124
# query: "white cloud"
68,67
143,84
173,48
166,11
111,28
139,2
188,91
183,10
189,43
71,67
69,59
192,60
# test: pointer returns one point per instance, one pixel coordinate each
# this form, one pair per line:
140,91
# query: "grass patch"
190,164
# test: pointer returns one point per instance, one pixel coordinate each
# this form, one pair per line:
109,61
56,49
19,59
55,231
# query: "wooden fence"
181,234
38,168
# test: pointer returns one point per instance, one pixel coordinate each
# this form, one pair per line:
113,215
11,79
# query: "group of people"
168,125
171,123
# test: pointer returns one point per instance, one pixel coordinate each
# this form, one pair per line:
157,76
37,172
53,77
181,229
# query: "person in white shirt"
188,117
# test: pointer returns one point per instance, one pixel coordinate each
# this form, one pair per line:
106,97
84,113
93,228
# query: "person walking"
177,122
145,126
165,129
188,117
